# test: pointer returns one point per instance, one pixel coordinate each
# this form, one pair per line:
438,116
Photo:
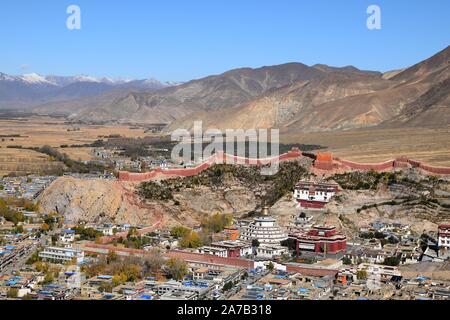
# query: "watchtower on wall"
324,161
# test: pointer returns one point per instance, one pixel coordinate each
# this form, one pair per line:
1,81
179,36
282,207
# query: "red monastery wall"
218,158
368,166
324,163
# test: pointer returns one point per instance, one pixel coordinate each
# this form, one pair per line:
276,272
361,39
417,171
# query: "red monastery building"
320,240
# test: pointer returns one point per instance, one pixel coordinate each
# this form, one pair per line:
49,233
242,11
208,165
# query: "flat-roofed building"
270,251
235,249
444,236
314,195
62,255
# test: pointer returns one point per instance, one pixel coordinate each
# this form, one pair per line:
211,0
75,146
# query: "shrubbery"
278,185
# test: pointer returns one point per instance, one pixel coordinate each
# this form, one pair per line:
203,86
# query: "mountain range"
29,90
293,97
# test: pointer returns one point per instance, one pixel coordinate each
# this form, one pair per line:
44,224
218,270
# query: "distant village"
43,258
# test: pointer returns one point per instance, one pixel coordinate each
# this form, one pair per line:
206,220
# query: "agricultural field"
22,161
55,132
430,145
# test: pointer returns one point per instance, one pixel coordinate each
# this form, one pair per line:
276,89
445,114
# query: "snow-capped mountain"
36,89
34,78
64,81
6,77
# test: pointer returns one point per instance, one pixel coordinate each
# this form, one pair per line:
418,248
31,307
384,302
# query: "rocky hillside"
409,197
110,201
176,201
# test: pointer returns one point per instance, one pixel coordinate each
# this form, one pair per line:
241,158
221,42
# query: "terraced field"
25,161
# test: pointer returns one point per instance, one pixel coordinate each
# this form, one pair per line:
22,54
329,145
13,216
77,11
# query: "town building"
62,255
174,290
378,272
270,251
67,236
220,252
314,195
235,249
10,254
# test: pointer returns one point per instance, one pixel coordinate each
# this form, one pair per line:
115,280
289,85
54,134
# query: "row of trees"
210,225
132,269
87,233
72,165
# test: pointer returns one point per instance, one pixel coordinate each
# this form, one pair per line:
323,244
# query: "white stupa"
265,229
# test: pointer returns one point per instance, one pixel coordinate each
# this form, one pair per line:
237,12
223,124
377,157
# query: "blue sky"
181,40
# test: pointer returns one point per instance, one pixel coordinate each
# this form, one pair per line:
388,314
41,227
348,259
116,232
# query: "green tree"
49,278
228,286
361,274
105,287
217,222
112,256
18,229
391,261
118,279
12,293
153,263
180,232
33,259
191,240
347,261
255,243
176,268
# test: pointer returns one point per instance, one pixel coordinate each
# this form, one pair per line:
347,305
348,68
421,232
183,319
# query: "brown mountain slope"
429,66
282,106
227,90
430,109
292,97
343,99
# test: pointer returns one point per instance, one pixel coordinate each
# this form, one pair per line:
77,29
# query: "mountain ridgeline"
292,97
